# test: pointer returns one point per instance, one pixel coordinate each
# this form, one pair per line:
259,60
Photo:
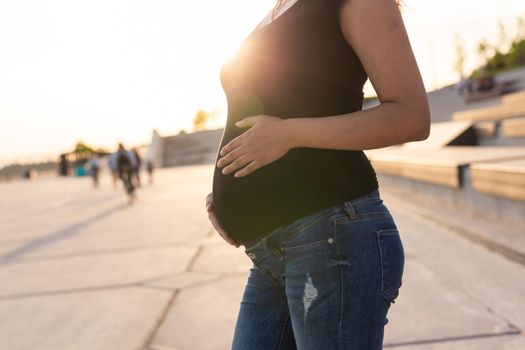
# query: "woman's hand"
215,222
267,140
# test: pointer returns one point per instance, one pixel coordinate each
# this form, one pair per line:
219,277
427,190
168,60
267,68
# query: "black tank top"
299,65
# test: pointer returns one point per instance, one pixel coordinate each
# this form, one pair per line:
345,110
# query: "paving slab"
203,317
91,272
431,309
96,320
486,276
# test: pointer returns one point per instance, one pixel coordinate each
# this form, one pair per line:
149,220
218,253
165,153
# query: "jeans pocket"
392,260
314,234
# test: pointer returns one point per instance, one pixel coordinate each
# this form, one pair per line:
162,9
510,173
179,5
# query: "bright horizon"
103,71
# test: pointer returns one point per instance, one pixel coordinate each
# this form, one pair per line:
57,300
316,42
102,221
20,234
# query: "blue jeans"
324,282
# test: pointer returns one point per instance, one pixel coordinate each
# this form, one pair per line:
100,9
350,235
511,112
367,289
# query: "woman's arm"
375,30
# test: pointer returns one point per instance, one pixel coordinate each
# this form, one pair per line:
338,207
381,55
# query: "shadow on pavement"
65,233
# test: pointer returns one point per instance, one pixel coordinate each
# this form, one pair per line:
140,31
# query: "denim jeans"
324,282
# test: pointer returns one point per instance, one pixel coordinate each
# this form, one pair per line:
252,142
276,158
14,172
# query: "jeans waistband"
309,220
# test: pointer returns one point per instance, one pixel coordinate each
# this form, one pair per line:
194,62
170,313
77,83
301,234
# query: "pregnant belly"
245,195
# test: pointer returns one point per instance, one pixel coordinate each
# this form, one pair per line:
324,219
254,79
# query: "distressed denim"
324,282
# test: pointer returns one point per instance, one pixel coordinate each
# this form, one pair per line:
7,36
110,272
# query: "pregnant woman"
292,184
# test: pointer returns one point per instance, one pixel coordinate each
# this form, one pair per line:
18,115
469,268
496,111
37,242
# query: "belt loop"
349,209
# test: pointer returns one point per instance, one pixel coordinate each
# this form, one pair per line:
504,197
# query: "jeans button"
252,255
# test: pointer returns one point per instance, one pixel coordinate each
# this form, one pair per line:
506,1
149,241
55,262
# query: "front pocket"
392,259
315,233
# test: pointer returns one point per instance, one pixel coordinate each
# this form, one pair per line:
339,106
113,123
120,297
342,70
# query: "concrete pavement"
79,269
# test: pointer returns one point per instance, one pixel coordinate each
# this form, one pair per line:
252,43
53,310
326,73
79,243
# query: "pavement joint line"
160,320
49,293
30,259
153,333
495,314
197,284
194,258
463,232
88,289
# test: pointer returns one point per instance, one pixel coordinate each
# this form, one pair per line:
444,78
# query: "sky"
103,71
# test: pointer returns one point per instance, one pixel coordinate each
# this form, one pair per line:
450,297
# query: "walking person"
112,165
136,166
149,165
94,169
149,168
292,184
125,167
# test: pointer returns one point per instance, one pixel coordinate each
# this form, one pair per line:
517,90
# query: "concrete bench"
510,128
496,115
514,98
446,133
446,167
502,179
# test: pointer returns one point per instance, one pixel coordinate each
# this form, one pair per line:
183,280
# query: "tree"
81,147
503,38
200,120
483,50
516,55
509,53
459,65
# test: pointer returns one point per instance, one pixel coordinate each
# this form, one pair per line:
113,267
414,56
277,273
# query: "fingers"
230,157
209,202
233,144
248,169
237,164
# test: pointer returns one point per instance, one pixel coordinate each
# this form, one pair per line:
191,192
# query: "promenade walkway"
80,269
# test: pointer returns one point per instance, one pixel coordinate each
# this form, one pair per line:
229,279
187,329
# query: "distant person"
149,169
94,169
125,165
136,166
112,164
470,86
463,87
486,83
149,164
25,173
62,165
